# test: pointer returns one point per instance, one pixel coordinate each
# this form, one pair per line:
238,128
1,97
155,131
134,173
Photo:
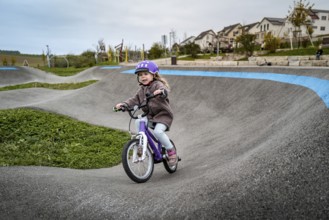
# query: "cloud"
73,26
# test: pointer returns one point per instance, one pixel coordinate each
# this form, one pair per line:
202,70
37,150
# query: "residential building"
206,40
275,26
278,27
228,35
320,22
187,41
252,29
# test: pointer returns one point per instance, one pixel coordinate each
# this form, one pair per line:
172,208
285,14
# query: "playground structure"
118,52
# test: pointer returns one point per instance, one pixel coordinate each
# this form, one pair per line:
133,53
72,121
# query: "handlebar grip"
118,109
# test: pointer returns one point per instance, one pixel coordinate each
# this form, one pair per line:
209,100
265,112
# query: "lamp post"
217,46
291,36
48,56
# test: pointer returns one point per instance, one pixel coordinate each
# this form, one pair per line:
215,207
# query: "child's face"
145,78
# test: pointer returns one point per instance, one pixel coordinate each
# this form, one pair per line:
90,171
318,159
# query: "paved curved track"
251,149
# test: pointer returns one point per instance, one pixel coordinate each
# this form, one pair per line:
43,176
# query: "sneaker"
172,157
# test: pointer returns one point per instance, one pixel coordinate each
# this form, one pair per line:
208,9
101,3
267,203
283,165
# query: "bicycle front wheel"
137,169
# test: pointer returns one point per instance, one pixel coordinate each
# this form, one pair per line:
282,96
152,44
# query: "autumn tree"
299,17
271,42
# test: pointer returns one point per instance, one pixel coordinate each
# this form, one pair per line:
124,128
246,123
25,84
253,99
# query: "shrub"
271,43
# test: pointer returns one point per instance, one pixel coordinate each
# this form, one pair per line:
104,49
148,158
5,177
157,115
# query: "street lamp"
48,56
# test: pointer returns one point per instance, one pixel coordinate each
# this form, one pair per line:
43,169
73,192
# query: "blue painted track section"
110,67
319,86
7,68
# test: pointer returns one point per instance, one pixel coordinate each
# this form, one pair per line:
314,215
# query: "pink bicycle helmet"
147,66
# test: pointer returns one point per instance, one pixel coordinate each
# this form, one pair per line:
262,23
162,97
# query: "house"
206,40
187,41
320,21
317,19
228,35
278,27
275,26
252,29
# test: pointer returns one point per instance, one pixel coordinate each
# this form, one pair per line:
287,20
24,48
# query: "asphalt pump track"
251,149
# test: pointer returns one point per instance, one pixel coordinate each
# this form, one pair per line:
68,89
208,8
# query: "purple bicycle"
143,151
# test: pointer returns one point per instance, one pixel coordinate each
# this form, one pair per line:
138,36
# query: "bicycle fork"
139,153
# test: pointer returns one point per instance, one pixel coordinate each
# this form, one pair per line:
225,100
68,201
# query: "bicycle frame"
147,135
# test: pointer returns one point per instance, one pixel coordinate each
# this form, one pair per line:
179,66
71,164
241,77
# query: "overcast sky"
74,26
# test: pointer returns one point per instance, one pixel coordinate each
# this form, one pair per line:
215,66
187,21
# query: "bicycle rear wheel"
139,170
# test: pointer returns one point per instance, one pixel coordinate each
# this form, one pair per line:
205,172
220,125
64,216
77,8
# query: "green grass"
200,56
63,71
60,86
36,138
298,52
295,52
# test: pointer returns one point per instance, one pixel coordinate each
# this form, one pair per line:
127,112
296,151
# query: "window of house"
323,18
268,26
322,28
261,28
315,27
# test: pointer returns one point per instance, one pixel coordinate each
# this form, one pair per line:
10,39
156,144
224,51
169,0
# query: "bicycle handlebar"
137,107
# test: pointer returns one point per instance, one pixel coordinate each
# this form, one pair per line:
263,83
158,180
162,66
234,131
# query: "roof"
200,36
187,40
249,26
320,10
229,28
313,13
274,21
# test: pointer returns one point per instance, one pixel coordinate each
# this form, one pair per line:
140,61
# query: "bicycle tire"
138,171
170,169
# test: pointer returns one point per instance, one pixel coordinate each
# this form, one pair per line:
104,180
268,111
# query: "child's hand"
157,92
119,105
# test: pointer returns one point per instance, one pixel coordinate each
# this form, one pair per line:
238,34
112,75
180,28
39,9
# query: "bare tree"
101,54
101,46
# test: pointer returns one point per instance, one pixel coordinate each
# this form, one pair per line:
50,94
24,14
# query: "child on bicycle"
160,115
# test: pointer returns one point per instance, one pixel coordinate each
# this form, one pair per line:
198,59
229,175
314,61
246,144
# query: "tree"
101,54
191,49
156,51
248,43
271,43
13,61
299,16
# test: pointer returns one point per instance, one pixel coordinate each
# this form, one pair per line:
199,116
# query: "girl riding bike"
160,115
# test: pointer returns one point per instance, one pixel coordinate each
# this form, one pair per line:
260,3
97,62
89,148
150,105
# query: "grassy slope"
60,86
31,137
33,60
